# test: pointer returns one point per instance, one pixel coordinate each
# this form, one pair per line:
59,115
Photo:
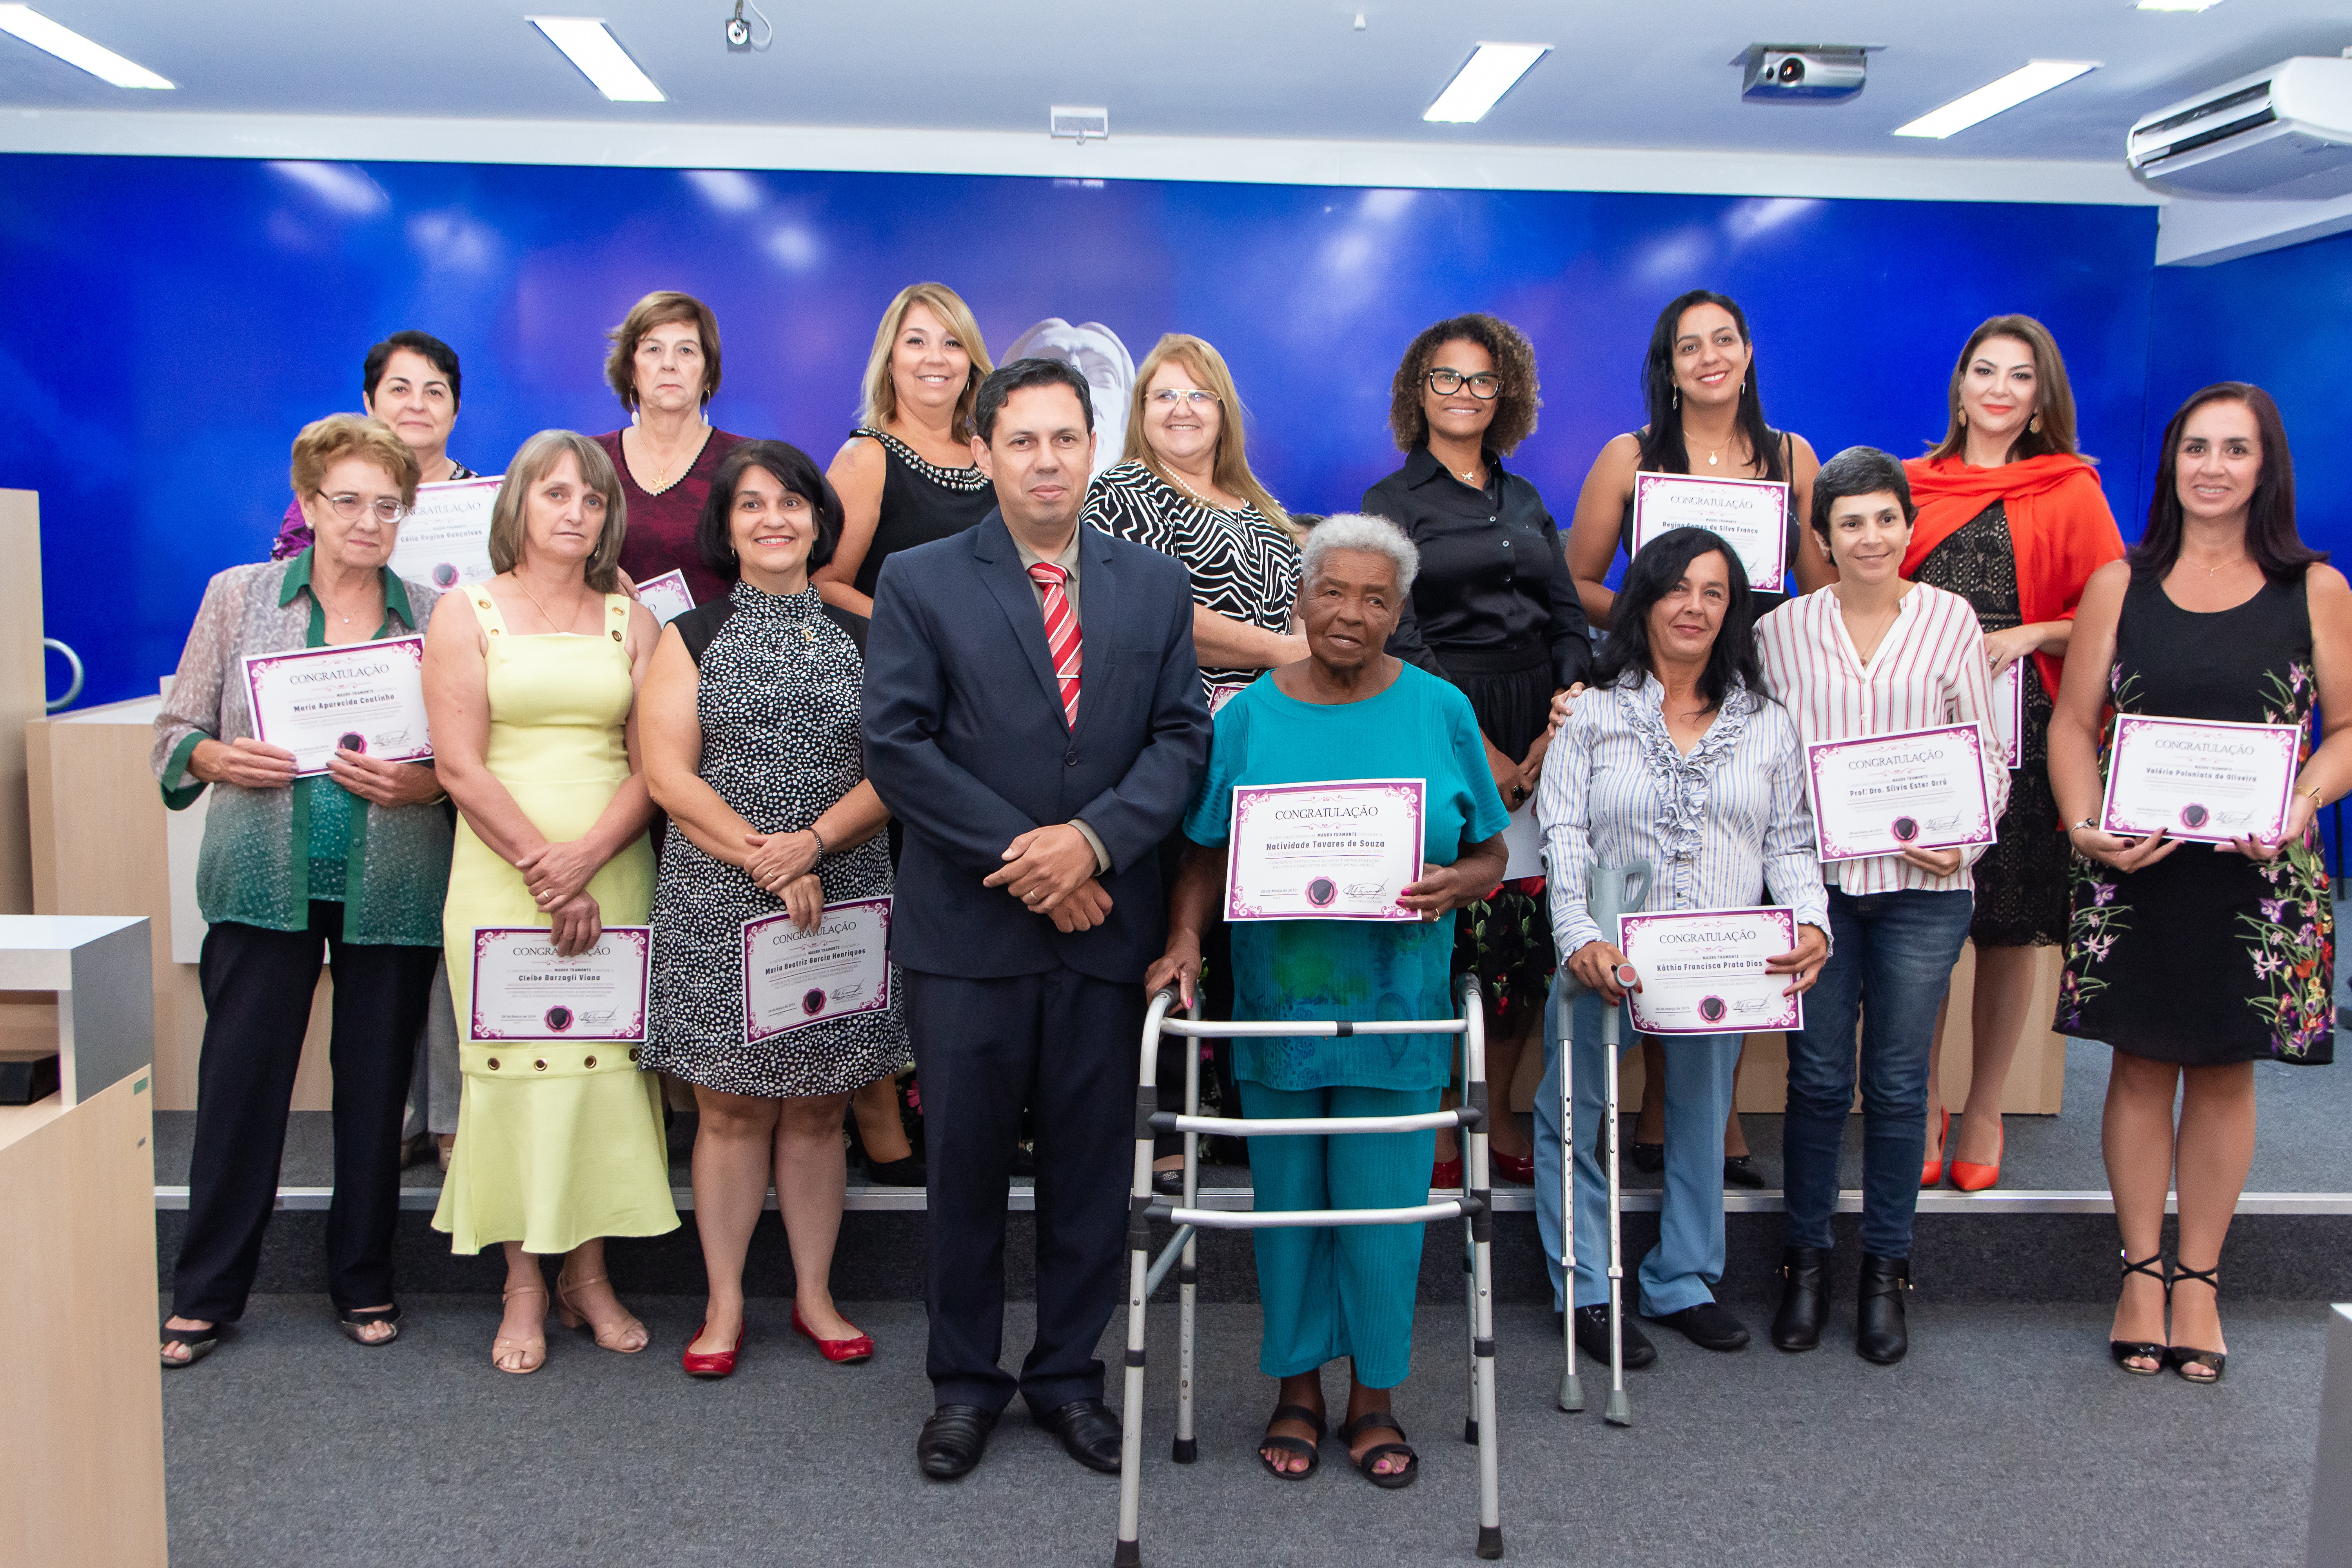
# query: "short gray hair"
1354,530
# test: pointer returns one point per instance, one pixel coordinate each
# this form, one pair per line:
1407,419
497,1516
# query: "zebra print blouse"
1243,565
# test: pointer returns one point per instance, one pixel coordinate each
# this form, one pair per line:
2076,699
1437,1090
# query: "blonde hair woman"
532,698
1184,488
905,476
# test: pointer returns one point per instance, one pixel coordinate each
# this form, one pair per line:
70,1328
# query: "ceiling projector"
1802,73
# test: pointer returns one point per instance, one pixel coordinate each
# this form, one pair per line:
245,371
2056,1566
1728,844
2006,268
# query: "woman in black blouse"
1184,488
1495,611
905,477
1705,417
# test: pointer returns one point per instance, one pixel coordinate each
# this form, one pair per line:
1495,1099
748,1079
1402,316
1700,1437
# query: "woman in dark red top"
665,367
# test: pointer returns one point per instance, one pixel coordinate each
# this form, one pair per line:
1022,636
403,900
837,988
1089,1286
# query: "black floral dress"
777,698
2208,957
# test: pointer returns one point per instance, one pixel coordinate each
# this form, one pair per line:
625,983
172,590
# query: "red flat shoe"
845,1351
1445,1174
709,1364
1520,1168
1970,1177
1931,1172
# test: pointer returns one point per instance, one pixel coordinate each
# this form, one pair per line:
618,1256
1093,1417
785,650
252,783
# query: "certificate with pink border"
2008,714
1701,971
2207,783
447,539
1916,789
793,978
364,697
523,989
1341,850
1752,516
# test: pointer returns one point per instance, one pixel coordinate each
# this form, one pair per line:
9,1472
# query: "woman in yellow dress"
532,698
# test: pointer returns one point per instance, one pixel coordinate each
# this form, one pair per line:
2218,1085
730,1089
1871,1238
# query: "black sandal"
200,1343
1300,1447
351,1321
2180,1358
2126,1352
1378,1451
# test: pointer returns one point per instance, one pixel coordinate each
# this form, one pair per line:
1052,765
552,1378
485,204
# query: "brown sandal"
533,1349
608,1336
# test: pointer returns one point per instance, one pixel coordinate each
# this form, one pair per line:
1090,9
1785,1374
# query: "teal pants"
1347,1290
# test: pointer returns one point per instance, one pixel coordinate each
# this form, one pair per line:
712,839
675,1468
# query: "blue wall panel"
174,322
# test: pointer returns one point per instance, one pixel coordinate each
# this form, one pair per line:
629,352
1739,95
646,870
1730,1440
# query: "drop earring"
1678,397
2034,424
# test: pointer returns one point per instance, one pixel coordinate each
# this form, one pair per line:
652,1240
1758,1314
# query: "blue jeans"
1891,961
1688,1260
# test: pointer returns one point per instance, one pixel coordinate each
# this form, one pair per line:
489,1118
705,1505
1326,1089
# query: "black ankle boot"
1805,1299
1879,1332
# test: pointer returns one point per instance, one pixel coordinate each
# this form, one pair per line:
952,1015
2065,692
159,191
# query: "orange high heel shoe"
1970,1177
1931,1172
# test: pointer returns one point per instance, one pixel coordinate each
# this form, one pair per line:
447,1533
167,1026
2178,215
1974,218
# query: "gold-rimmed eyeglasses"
351,507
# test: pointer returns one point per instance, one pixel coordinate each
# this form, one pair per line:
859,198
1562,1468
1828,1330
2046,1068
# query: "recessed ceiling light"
2030,80
600,57
2178,4
76,50
1489,73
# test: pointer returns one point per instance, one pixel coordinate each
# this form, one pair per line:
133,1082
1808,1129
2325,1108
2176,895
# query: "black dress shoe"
1805,1299
1879,1333
1739,1170
906,1172
953,1439
1649,1158
1707,1325
1592,1338
1168,1183
1090,1431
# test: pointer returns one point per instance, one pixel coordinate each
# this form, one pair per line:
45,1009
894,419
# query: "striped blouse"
1717,826
1245,566
1929,670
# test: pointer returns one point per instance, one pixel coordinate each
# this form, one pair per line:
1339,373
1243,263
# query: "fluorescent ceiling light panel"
76,50
2178,4
1489,73
2030,80
600,57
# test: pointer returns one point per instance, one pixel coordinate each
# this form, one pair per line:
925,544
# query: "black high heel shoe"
2127,1351
2180,1358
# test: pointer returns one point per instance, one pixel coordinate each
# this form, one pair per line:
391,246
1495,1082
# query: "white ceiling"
1624,73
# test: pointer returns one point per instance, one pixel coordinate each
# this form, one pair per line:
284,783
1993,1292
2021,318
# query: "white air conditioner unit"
2284,134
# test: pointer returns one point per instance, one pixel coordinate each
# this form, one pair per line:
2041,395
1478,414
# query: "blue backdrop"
175,321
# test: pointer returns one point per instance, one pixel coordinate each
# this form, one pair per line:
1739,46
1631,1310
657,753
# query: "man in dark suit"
1034,717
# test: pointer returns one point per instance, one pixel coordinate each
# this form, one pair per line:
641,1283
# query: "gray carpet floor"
2303,1141
2005,1439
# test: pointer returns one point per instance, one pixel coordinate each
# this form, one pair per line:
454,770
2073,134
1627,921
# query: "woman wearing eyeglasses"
1184,488
1495,611
353,862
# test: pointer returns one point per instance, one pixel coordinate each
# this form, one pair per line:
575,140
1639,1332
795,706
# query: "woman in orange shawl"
2011,519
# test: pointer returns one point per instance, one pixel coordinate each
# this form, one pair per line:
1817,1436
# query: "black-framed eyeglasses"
1485,387
351,507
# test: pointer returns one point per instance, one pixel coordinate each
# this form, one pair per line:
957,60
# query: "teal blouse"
1421,727
267,853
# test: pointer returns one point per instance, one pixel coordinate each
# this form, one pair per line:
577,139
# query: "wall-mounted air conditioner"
2284,134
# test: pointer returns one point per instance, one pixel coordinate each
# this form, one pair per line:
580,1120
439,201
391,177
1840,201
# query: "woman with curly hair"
1495,611
2196,960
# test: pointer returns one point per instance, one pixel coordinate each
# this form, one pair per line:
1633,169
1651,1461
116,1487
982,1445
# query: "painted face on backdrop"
1095,351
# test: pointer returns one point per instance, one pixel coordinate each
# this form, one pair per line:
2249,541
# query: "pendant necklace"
566,627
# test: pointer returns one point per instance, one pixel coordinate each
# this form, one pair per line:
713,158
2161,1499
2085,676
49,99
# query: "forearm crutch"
1472,1206
1615,891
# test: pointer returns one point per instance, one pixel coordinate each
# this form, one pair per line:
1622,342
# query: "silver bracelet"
812,832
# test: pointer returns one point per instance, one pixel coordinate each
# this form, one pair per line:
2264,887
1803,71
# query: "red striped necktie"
1061,633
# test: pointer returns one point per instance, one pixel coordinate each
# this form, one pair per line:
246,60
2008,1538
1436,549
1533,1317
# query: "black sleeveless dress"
1761,604
2022,878
921,501
2206,957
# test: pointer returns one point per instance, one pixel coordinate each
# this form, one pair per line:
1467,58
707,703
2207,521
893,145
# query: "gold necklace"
662,480
566,627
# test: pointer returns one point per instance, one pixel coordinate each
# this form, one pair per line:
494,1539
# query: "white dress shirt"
1929,670
1716,826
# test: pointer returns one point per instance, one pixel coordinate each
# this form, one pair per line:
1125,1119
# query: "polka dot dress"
778,699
